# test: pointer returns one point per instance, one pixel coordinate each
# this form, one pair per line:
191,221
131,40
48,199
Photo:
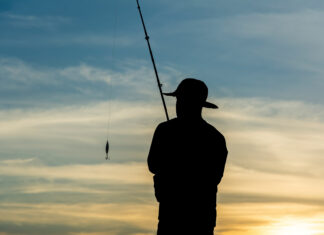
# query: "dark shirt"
187,159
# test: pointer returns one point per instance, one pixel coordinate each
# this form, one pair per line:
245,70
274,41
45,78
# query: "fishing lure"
107,150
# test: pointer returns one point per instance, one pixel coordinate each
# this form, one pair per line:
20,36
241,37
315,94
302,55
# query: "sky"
73,73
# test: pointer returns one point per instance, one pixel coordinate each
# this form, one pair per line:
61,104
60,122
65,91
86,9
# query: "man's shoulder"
172,124
168,124
213,130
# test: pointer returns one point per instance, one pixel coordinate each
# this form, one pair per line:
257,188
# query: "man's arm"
221,160
154,156
154,160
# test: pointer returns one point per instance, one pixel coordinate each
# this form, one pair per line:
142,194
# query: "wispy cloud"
34,21
82,83
116,219
90,39
132,173
261,134
299,34
274,53
266,168
284,136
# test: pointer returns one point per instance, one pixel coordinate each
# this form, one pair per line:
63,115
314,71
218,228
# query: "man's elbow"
151,166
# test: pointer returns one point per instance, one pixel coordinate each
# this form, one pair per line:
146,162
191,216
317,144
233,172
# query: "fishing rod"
147,38
155,70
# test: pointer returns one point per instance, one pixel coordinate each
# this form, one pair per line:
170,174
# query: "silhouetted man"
187,157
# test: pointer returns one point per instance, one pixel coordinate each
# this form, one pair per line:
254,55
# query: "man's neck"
191,118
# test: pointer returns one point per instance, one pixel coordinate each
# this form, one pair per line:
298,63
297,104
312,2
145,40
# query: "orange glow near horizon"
290,227
293,228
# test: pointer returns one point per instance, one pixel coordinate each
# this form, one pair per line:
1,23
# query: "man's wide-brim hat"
193,90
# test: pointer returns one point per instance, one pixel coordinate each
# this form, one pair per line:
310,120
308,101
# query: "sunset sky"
74,72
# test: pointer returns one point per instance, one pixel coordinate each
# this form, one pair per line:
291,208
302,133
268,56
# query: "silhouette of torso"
187,158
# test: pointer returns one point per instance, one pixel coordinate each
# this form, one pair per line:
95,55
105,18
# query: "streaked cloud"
114,173
33,21
284,184
85,218
82,83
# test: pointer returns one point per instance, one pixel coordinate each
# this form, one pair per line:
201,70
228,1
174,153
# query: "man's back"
188,159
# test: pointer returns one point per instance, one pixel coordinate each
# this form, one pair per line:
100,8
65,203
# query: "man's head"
191,97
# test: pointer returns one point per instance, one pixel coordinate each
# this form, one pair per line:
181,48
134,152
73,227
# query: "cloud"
69,40
264,133
275,148
264,52
266,168
89,39
250,218
78,218
34,21
16,74
235,198
16,161
297,34
261,34
132,173
272,139
268,128
77,134
26,85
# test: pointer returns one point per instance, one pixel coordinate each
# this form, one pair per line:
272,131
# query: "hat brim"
210,105
170,94
205,104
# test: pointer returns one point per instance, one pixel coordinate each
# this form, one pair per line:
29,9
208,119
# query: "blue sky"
67,68
251,49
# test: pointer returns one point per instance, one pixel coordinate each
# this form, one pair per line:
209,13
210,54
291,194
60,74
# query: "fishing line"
109,89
